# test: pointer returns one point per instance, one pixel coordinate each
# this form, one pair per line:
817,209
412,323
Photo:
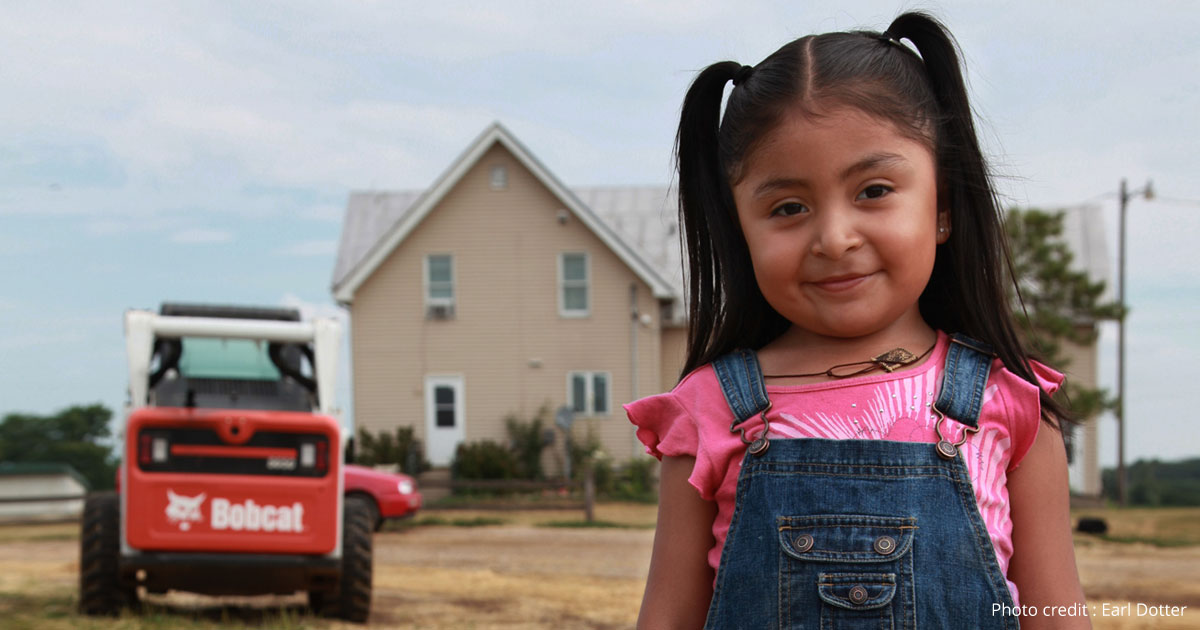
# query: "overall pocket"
846,572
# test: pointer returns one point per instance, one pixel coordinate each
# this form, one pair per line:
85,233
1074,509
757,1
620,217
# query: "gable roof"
640,220
376,223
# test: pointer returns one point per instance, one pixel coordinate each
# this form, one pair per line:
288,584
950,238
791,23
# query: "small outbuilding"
40,491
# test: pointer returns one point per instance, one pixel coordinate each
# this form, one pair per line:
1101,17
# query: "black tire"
100,589
352,599
373,514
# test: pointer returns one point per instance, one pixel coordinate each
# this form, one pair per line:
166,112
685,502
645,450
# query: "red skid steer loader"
232,475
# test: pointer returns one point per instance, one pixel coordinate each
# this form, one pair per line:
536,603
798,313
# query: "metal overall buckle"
945,448
758,445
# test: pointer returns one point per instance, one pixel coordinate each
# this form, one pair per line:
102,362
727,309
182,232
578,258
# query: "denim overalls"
832,534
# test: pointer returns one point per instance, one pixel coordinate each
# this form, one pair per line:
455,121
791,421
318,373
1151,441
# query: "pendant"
894,358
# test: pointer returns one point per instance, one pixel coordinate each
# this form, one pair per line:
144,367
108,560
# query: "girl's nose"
836,235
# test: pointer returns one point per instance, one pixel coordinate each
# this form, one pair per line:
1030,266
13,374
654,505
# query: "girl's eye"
789,209
874,191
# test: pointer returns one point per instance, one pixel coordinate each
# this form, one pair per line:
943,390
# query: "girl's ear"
943,225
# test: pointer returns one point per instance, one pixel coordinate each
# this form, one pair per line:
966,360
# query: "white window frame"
563,311
430,300
589,395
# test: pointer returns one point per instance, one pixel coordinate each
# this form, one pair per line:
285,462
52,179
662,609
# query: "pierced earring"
941,230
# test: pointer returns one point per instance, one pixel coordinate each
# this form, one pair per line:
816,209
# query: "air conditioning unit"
439,311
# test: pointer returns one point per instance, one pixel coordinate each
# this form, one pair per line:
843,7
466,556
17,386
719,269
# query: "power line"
1178,201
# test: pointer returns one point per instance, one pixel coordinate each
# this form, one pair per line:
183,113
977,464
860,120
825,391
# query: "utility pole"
1146,191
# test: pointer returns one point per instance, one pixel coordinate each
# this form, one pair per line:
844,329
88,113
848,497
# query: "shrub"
582,450
630,481
635,481
401,449
528,440
484,459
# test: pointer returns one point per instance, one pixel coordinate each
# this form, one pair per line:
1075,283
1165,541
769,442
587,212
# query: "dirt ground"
521,575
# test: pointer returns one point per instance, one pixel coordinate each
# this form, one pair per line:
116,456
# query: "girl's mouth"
836,284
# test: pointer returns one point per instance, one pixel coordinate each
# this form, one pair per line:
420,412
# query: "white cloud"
198,235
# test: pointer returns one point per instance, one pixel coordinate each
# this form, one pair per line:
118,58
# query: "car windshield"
237,359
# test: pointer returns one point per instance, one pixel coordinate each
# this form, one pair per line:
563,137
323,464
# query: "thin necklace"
889,361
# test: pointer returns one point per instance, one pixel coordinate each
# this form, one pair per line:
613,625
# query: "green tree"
76,436
1057,303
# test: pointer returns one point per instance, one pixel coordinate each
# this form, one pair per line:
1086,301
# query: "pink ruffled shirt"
693,420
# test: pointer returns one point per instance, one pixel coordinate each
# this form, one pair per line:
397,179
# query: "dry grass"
1164,527
522,575
30,532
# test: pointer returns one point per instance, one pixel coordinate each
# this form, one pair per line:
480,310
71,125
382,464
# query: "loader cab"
209,371
214,373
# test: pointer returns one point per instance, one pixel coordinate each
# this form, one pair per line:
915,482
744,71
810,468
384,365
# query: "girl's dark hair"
923,94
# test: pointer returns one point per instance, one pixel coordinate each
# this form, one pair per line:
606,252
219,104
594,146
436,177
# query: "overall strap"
741,382
965,376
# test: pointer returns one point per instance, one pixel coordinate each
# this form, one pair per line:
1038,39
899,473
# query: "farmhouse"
499,291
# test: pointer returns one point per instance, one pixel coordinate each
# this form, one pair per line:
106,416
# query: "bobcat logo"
184,510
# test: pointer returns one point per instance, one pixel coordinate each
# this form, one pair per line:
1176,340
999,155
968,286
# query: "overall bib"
836,534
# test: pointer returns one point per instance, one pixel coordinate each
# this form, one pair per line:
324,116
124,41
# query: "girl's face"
840,213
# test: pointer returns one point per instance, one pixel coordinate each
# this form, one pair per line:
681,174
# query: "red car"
392,495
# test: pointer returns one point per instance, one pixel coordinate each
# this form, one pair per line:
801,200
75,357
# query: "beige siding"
507,340
674,353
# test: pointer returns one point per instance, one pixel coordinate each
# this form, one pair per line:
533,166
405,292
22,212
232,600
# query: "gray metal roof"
645,218
642,216
364,248
368,217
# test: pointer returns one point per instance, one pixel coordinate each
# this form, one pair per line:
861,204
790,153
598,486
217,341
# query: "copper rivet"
947,450
803,543
885,545
858,595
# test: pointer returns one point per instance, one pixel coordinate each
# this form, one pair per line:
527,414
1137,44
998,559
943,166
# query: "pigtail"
966,185
704,204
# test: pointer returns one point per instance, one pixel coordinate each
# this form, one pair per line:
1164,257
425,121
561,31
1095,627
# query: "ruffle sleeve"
664,426
1024,407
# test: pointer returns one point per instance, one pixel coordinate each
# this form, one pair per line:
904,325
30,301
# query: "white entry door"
443,417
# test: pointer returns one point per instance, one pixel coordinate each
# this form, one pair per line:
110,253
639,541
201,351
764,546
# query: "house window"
443,406
573,298
439,286
499,179
588,392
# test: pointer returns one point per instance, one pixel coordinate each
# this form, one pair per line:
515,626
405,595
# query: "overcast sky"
155,151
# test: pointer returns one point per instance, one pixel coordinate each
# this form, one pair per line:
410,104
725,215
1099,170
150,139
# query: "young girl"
860,439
